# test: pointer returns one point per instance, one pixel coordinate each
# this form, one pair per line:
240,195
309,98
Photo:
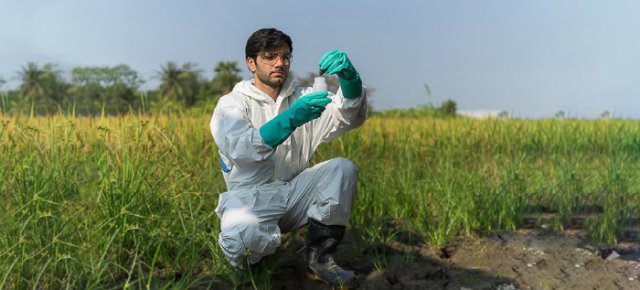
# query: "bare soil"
532,258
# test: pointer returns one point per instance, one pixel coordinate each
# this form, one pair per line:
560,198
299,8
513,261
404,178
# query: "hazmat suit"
272,191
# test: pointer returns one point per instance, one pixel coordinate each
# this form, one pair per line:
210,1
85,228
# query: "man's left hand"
337,62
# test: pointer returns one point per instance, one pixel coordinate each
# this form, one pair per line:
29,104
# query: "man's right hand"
305,109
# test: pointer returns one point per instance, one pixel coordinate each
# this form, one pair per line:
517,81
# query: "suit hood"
248,88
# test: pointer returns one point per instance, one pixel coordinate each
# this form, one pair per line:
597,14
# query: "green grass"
128,202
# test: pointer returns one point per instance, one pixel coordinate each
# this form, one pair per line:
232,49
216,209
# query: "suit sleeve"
340,116
239,143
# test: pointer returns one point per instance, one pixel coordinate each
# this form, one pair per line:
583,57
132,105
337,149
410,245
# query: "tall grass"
128,202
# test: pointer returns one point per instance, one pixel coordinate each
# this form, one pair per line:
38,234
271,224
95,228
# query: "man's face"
271,68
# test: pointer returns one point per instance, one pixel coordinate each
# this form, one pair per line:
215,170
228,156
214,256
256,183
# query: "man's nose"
280,61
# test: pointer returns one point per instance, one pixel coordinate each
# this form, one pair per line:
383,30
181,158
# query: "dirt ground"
534,258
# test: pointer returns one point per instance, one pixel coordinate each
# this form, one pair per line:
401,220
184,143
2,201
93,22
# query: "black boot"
322,242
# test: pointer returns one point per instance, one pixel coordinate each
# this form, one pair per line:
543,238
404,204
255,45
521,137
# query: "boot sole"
314,277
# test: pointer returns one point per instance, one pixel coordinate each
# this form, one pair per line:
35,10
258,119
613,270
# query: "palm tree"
31,77
42,83
54,85
230,67
190,78
180,83
227,75
171,86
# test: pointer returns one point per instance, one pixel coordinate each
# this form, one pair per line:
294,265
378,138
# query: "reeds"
128,202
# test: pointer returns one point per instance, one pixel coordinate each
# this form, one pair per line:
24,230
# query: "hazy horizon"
531,59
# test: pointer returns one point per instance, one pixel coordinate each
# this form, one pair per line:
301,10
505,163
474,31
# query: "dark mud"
533,258
527,259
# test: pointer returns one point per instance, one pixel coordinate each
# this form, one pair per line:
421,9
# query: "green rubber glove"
305,109
337,62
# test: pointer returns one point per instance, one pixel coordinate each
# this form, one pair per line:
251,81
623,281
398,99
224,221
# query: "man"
267,130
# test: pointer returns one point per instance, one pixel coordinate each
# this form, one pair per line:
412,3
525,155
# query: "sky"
531,58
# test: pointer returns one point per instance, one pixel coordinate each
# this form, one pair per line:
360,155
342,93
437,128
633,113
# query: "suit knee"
248,242
347,168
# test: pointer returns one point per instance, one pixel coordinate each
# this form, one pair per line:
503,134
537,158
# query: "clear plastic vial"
320,84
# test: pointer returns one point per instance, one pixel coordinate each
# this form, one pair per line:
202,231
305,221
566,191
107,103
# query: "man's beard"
273,82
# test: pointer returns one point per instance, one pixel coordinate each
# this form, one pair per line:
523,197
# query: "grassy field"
127,202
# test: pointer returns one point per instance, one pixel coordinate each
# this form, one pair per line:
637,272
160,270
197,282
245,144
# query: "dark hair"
266,39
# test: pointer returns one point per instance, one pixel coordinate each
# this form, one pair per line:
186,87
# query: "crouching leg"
247,243
321,246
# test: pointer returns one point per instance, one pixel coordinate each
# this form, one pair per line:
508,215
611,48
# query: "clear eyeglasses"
270,58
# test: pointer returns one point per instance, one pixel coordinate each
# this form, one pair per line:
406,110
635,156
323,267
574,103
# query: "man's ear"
251,63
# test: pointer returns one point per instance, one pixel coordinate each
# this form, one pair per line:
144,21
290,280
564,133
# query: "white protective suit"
272,190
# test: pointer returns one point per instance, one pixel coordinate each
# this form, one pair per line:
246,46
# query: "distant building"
485,114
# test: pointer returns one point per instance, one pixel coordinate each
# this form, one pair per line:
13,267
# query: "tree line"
44,89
